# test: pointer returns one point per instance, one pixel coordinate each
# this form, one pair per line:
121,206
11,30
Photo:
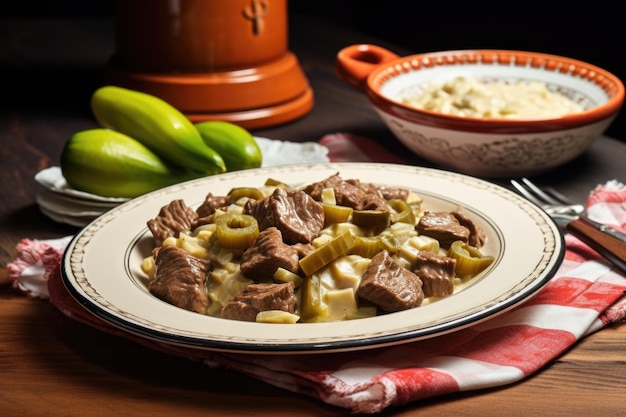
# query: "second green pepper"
158,125
235,144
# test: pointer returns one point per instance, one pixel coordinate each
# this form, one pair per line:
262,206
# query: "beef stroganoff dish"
473,97
337,249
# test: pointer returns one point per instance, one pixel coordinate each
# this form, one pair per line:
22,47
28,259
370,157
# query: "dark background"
588,31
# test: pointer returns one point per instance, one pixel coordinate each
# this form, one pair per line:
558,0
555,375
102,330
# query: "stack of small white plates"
65,204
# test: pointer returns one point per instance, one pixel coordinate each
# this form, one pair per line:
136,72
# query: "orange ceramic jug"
212,59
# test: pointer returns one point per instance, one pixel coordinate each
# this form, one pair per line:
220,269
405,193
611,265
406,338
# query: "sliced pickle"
336,214
403,212
313,308
390,242
323,255
236,231
402,232
371,218
469,260
367,246
271,182
238,193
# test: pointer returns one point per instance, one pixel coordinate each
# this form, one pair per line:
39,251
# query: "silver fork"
607,241
553,202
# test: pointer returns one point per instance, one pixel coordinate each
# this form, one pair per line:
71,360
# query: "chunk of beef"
444,227
261,260
390,286
386,192
315,189
260,297
303,249
369,196
477,236
372,201
171,220
298,217
349,193
210,204
180,279
436,273
394,193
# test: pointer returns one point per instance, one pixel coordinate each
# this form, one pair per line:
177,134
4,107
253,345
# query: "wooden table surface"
52,366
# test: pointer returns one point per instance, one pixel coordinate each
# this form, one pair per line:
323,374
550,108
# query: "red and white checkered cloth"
584,296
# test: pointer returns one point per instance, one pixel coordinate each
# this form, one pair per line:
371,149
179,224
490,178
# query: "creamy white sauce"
471,97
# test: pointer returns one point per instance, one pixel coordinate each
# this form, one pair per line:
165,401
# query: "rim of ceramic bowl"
385,72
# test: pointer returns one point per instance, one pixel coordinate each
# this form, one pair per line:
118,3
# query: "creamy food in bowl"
474,97
443,107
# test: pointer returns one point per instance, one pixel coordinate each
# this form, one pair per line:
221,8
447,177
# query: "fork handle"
605,244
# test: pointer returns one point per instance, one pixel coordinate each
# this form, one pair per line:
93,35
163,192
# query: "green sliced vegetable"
235,144
272,182
403,212
313,308
158,125
367,247
372,218
469,260
238,193
336,214
111,164
236,231
323,255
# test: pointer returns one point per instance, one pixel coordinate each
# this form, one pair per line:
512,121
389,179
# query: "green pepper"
322,256
371,218
469,260
234,143
403,212
111,164
158,125
313,308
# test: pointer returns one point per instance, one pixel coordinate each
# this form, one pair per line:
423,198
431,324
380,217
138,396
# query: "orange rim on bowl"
370,68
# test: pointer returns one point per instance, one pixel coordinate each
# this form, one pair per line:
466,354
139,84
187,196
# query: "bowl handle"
355,63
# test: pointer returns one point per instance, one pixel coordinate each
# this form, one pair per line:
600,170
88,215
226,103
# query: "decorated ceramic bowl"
466,110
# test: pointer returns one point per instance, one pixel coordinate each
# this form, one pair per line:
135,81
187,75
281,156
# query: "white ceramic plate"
59,203
52,179
101,266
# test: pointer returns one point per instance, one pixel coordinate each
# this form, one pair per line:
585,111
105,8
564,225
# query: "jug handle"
355,63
